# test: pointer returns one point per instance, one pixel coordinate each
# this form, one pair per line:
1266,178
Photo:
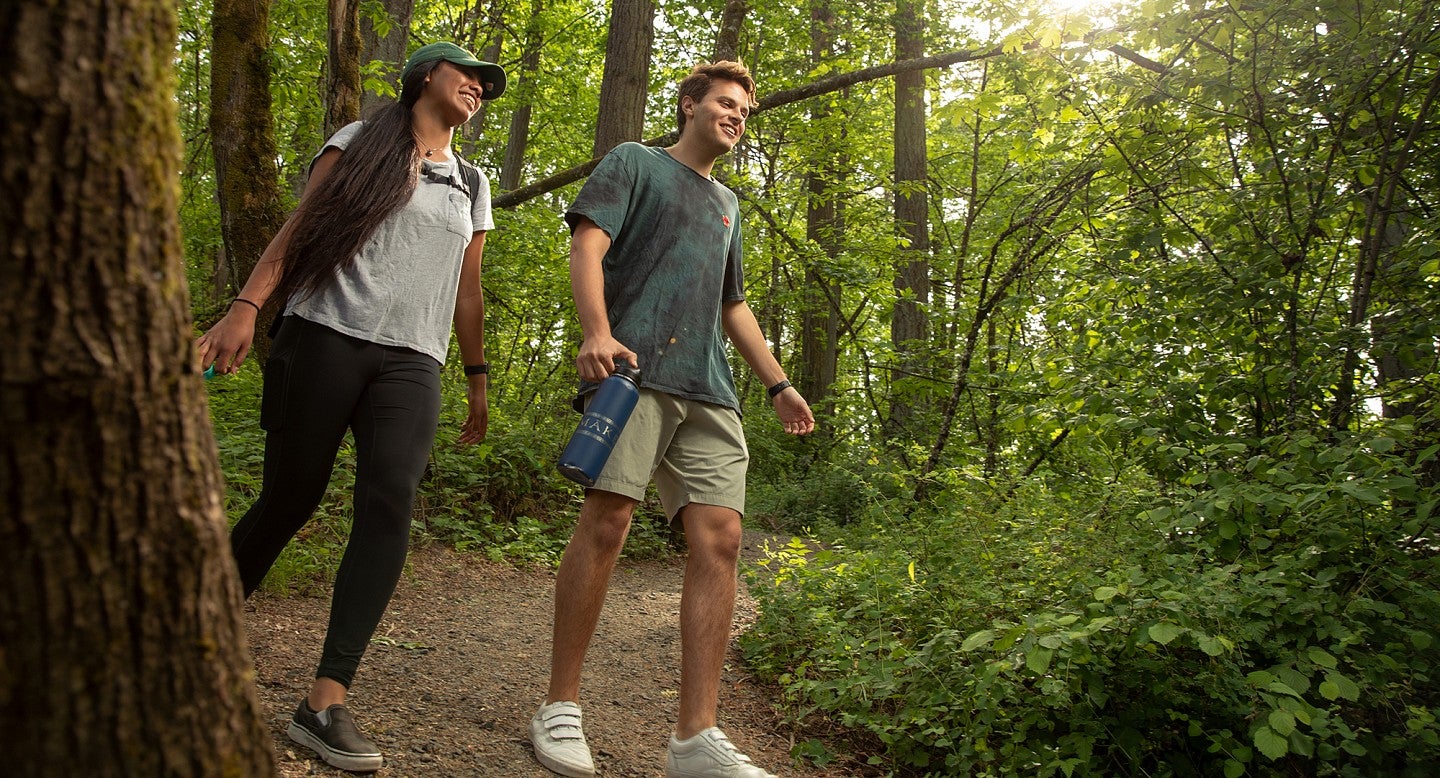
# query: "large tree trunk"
908,327
242,135
523,96
342,74
388,48
123,649
626,82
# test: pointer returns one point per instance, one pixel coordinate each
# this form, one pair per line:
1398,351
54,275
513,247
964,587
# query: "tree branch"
770,102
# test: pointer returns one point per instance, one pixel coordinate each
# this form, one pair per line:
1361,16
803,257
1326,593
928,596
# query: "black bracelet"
481,369
778,388
247,302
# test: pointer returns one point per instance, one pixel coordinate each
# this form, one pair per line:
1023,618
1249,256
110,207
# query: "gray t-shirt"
400,291
674,258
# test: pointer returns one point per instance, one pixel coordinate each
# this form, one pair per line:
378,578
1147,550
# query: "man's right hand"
599,356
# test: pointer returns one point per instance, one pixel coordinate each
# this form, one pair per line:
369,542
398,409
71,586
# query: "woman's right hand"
226,344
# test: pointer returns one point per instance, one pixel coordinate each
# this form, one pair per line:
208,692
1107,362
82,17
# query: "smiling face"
453,92
718,119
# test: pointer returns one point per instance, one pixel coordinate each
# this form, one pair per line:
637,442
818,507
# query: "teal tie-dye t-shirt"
674,258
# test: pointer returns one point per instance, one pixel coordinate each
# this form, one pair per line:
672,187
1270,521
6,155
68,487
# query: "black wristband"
481,369
777,389
247,302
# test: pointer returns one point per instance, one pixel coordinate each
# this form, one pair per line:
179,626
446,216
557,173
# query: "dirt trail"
459,664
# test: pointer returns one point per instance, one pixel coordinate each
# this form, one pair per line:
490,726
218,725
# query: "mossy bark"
122,649
242,135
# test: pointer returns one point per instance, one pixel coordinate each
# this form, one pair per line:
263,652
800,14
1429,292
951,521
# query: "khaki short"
694,450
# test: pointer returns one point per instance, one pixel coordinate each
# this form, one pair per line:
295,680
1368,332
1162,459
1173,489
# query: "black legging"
318,382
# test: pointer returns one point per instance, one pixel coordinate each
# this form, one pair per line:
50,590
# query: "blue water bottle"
589,448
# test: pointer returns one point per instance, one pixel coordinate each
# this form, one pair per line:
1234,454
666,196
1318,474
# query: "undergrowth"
1274,614
502,498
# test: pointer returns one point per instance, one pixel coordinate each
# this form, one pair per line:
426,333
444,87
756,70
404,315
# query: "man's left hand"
794,412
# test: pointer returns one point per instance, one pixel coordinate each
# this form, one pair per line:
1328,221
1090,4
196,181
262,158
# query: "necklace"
428,150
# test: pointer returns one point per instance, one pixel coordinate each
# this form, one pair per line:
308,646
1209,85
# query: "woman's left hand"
478,421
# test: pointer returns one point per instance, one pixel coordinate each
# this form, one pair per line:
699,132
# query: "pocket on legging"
272,396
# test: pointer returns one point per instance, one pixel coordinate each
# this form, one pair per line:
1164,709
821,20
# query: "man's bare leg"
706,608
581,584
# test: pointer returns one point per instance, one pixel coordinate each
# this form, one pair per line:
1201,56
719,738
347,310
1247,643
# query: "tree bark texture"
242,135
342,77
388,48
824,223
732,20
908,327
524,93
626,82
495,25
122,651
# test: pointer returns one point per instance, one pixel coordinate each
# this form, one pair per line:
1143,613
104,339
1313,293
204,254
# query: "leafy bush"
818,496
1278,616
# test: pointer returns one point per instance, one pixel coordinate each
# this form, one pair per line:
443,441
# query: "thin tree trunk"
1379,211
909,328
242,135
626,82
522,96
342,74
824,223
388,48
495,23
123,648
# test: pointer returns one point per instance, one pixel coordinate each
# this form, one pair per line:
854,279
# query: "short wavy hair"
703,76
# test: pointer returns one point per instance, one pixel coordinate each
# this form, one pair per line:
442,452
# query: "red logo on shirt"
725,219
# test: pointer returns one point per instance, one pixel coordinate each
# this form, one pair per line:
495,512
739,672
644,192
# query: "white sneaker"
709,755
558,740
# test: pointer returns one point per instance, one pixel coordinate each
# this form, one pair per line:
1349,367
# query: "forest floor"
461,660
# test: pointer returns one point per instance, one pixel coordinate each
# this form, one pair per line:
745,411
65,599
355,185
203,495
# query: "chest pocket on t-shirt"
459,220
447,203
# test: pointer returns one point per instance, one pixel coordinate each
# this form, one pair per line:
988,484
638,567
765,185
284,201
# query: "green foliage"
1282,621
1165,499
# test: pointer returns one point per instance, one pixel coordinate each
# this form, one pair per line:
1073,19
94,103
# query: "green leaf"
1211,646
1344,687
1282,722
1321,657
1106,593
1009,638
1164,632
1038,659
1271,744
977,639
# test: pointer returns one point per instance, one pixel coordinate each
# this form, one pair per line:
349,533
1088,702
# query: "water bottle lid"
632,373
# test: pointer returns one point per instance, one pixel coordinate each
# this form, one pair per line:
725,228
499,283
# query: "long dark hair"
373,178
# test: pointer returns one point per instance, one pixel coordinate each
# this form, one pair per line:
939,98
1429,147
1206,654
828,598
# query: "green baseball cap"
492,76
